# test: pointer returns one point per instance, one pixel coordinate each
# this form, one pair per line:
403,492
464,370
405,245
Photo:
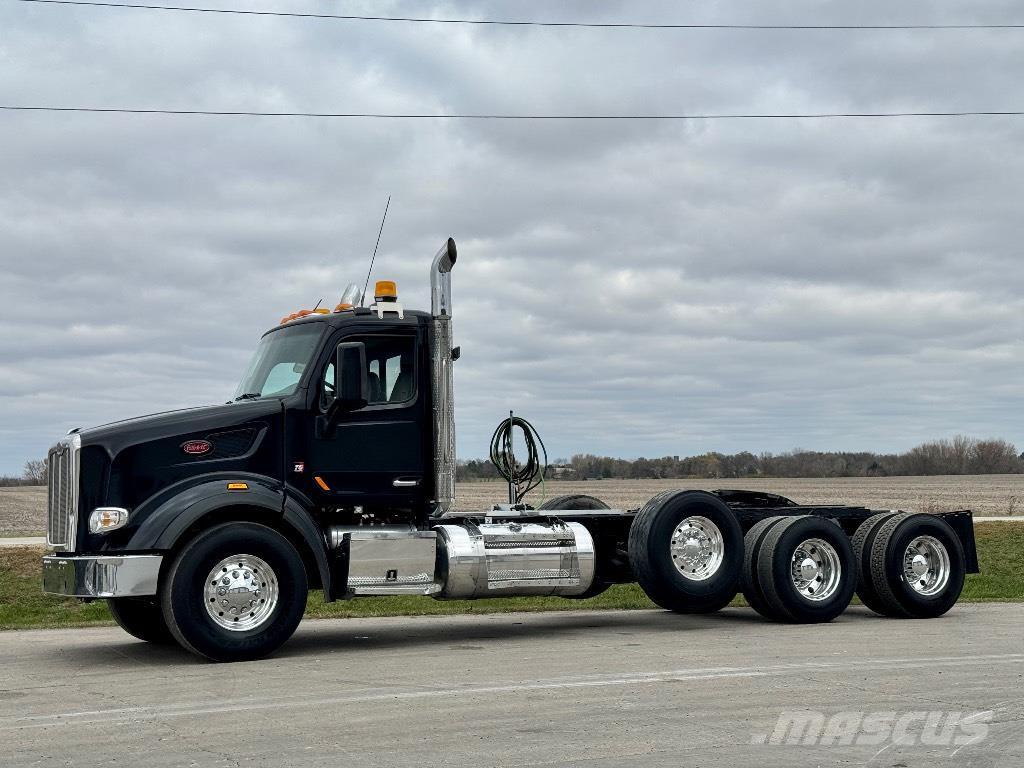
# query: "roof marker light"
385,290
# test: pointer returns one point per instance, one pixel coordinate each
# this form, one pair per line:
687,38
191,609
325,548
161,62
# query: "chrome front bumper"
101,575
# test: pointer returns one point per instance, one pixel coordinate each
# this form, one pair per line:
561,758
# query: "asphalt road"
580,689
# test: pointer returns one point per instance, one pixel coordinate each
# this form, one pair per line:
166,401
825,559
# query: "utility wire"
512,23
424,116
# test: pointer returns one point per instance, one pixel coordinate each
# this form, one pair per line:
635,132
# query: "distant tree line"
959,456
34,474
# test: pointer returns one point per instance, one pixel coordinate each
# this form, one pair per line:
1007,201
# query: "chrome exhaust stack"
441,377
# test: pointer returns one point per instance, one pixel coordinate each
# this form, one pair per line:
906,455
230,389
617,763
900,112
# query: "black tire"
183,593
573,501
580,501
863,539
775,570
651,556
141,617
897,597
748,579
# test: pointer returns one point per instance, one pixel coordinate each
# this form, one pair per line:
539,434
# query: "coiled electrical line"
522,477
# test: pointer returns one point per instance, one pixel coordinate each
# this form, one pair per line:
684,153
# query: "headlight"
107,519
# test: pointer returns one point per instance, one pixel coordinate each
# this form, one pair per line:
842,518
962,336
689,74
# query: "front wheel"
235,592
686,550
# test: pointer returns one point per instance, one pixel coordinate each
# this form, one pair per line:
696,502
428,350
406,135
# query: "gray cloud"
635,288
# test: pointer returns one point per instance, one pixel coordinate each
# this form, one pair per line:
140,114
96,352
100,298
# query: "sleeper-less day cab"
334,469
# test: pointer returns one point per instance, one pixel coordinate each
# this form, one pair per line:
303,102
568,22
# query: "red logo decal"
197,447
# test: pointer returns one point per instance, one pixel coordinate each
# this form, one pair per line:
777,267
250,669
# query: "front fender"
166,525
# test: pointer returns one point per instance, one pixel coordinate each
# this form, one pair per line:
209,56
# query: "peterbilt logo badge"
197,447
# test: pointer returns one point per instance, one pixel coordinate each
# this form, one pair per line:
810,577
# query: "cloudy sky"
632,287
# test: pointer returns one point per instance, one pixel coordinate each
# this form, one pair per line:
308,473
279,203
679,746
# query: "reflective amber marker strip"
238,486
321,483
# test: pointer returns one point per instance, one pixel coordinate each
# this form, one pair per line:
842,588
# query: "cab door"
376,455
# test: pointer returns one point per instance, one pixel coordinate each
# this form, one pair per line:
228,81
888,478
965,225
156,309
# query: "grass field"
23,510
23,606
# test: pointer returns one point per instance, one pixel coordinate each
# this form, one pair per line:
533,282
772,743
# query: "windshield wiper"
249,396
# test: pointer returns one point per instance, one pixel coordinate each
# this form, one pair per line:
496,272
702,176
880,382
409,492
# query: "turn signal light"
320,481
107,519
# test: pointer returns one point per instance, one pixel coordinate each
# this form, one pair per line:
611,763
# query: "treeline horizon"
960,456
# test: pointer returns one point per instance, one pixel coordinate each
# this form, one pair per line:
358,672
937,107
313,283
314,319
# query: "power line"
424,116
513,23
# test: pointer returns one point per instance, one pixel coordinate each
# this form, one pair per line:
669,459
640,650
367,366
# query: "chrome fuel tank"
505,559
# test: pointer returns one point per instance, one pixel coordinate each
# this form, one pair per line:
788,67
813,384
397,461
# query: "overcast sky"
635,288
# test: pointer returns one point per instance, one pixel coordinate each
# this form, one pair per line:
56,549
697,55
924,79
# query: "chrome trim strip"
101,575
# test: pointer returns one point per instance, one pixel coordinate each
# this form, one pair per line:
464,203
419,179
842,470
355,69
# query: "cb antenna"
362,301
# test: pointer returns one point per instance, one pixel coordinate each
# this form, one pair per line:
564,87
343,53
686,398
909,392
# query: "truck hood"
118,435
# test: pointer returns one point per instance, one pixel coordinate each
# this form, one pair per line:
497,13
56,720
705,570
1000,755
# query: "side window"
327,392
391,371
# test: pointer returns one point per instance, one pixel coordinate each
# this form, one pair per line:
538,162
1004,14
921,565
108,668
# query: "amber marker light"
386,290
320,481
238,486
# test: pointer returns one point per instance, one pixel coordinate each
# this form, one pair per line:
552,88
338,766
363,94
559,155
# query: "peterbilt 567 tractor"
334,469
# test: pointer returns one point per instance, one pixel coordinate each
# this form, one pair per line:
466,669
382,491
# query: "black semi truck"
334,469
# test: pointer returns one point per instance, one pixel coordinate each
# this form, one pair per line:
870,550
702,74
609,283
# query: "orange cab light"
321,483
321,311
285,319
304,312
342,307
238,486
385,289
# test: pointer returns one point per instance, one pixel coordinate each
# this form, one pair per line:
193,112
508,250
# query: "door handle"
400,483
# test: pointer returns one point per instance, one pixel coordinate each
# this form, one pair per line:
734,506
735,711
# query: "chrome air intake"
441,377
502,559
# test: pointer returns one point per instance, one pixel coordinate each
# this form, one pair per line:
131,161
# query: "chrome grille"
62,494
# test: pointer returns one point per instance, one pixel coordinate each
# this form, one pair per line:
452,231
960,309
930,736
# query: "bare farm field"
984,494
23,510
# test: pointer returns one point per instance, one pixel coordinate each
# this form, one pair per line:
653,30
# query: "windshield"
279,361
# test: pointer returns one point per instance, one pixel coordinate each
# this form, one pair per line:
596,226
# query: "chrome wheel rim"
816,569
926,565
697,548
241,593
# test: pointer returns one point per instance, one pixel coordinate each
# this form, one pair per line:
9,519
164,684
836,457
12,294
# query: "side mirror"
351,387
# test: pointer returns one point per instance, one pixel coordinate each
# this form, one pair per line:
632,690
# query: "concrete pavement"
23,541
581,689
